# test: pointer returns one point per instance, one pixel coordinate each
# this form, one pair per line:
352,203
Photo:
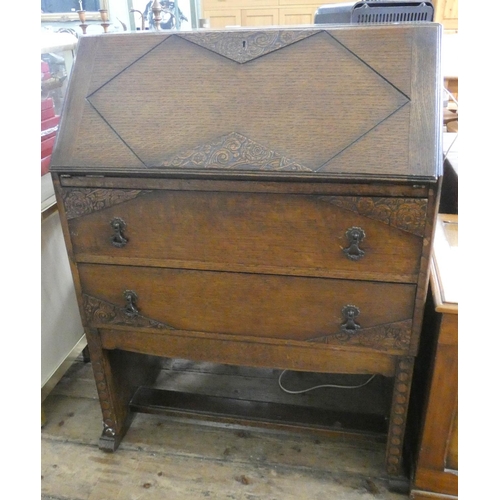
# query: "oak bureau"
257,197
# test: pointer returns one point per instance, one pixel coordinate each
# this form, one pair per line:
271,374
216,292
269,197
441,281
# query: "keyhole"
244,44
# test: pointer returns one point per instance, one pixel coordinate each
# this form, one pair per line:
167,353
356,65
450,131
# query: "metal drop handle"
354,235
131,307
118,239
350,313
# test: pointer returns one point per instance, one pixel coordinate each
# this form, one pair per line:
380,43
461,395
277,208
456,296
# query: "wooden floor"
181,459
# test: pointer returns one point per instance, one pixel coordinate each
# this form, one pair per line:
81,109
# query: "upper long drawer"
333,236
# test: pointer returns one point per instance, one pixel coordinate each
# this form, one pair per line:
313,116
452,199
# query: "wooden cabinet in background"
436,471
296,15
259,17
223,17
446,13
222,13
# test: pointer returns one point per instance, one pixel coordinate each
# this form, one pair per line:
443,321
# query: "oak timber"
315,163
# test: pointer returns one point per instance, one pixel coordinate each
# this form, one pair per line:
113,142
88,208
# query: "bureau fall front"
256,197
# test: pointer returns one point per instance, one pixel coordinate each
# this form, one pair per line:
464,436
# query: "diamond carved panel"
303,103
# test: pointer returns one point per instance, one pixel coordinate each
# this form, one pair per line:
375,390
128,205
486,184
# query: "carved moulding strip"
385,337
84,201
397,424
407,214
232,152
245,46
100,312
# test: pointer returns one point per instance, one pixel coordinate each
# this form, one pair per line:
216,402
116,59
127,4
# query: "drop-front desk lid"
308,102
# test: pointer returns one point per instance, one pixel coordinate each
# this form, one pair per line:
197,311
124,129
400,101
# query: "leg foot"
109,442
118,374
110,439
399,485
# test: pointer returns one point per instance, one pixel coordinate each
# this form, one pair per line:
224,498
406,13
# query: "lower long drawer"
286,308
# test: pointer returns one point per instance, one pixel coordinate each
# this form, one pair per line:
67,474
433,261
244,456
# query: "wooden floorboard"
162,457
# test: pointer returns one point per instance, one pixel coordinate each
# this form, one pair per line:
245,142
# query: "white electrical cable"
322,386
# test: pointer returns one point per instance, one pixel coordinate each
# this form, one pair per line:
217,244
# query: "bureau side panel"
425,263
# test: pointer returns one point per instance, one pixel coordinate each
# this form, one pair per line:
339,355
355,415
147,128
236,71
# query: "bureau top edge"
320,178
348,187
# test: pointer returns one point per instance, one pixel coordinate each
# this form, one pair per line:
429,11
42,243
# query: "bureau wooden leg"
114,414
397,424
118,374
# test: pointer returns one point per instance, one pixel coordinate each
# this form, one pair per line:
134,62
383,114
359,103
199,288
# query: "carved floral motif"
397,424
384,337
407,214
100,312
246,45
84,201
233,151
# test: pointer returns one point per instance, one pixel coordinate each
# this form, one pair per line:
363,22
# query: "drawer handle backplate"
350,312
118,225
131,308
355,236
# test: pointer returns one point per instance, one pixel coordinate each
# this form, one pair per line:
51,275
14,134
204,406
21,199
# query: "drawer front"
287,308
276,233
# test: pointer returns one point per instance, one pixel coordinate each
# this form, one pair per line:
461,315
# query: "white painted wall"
60,322
61,326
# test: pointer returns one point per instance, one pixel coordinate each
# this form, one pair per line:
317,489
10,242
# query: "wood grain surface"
282,307
250,232
302,100
233,168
